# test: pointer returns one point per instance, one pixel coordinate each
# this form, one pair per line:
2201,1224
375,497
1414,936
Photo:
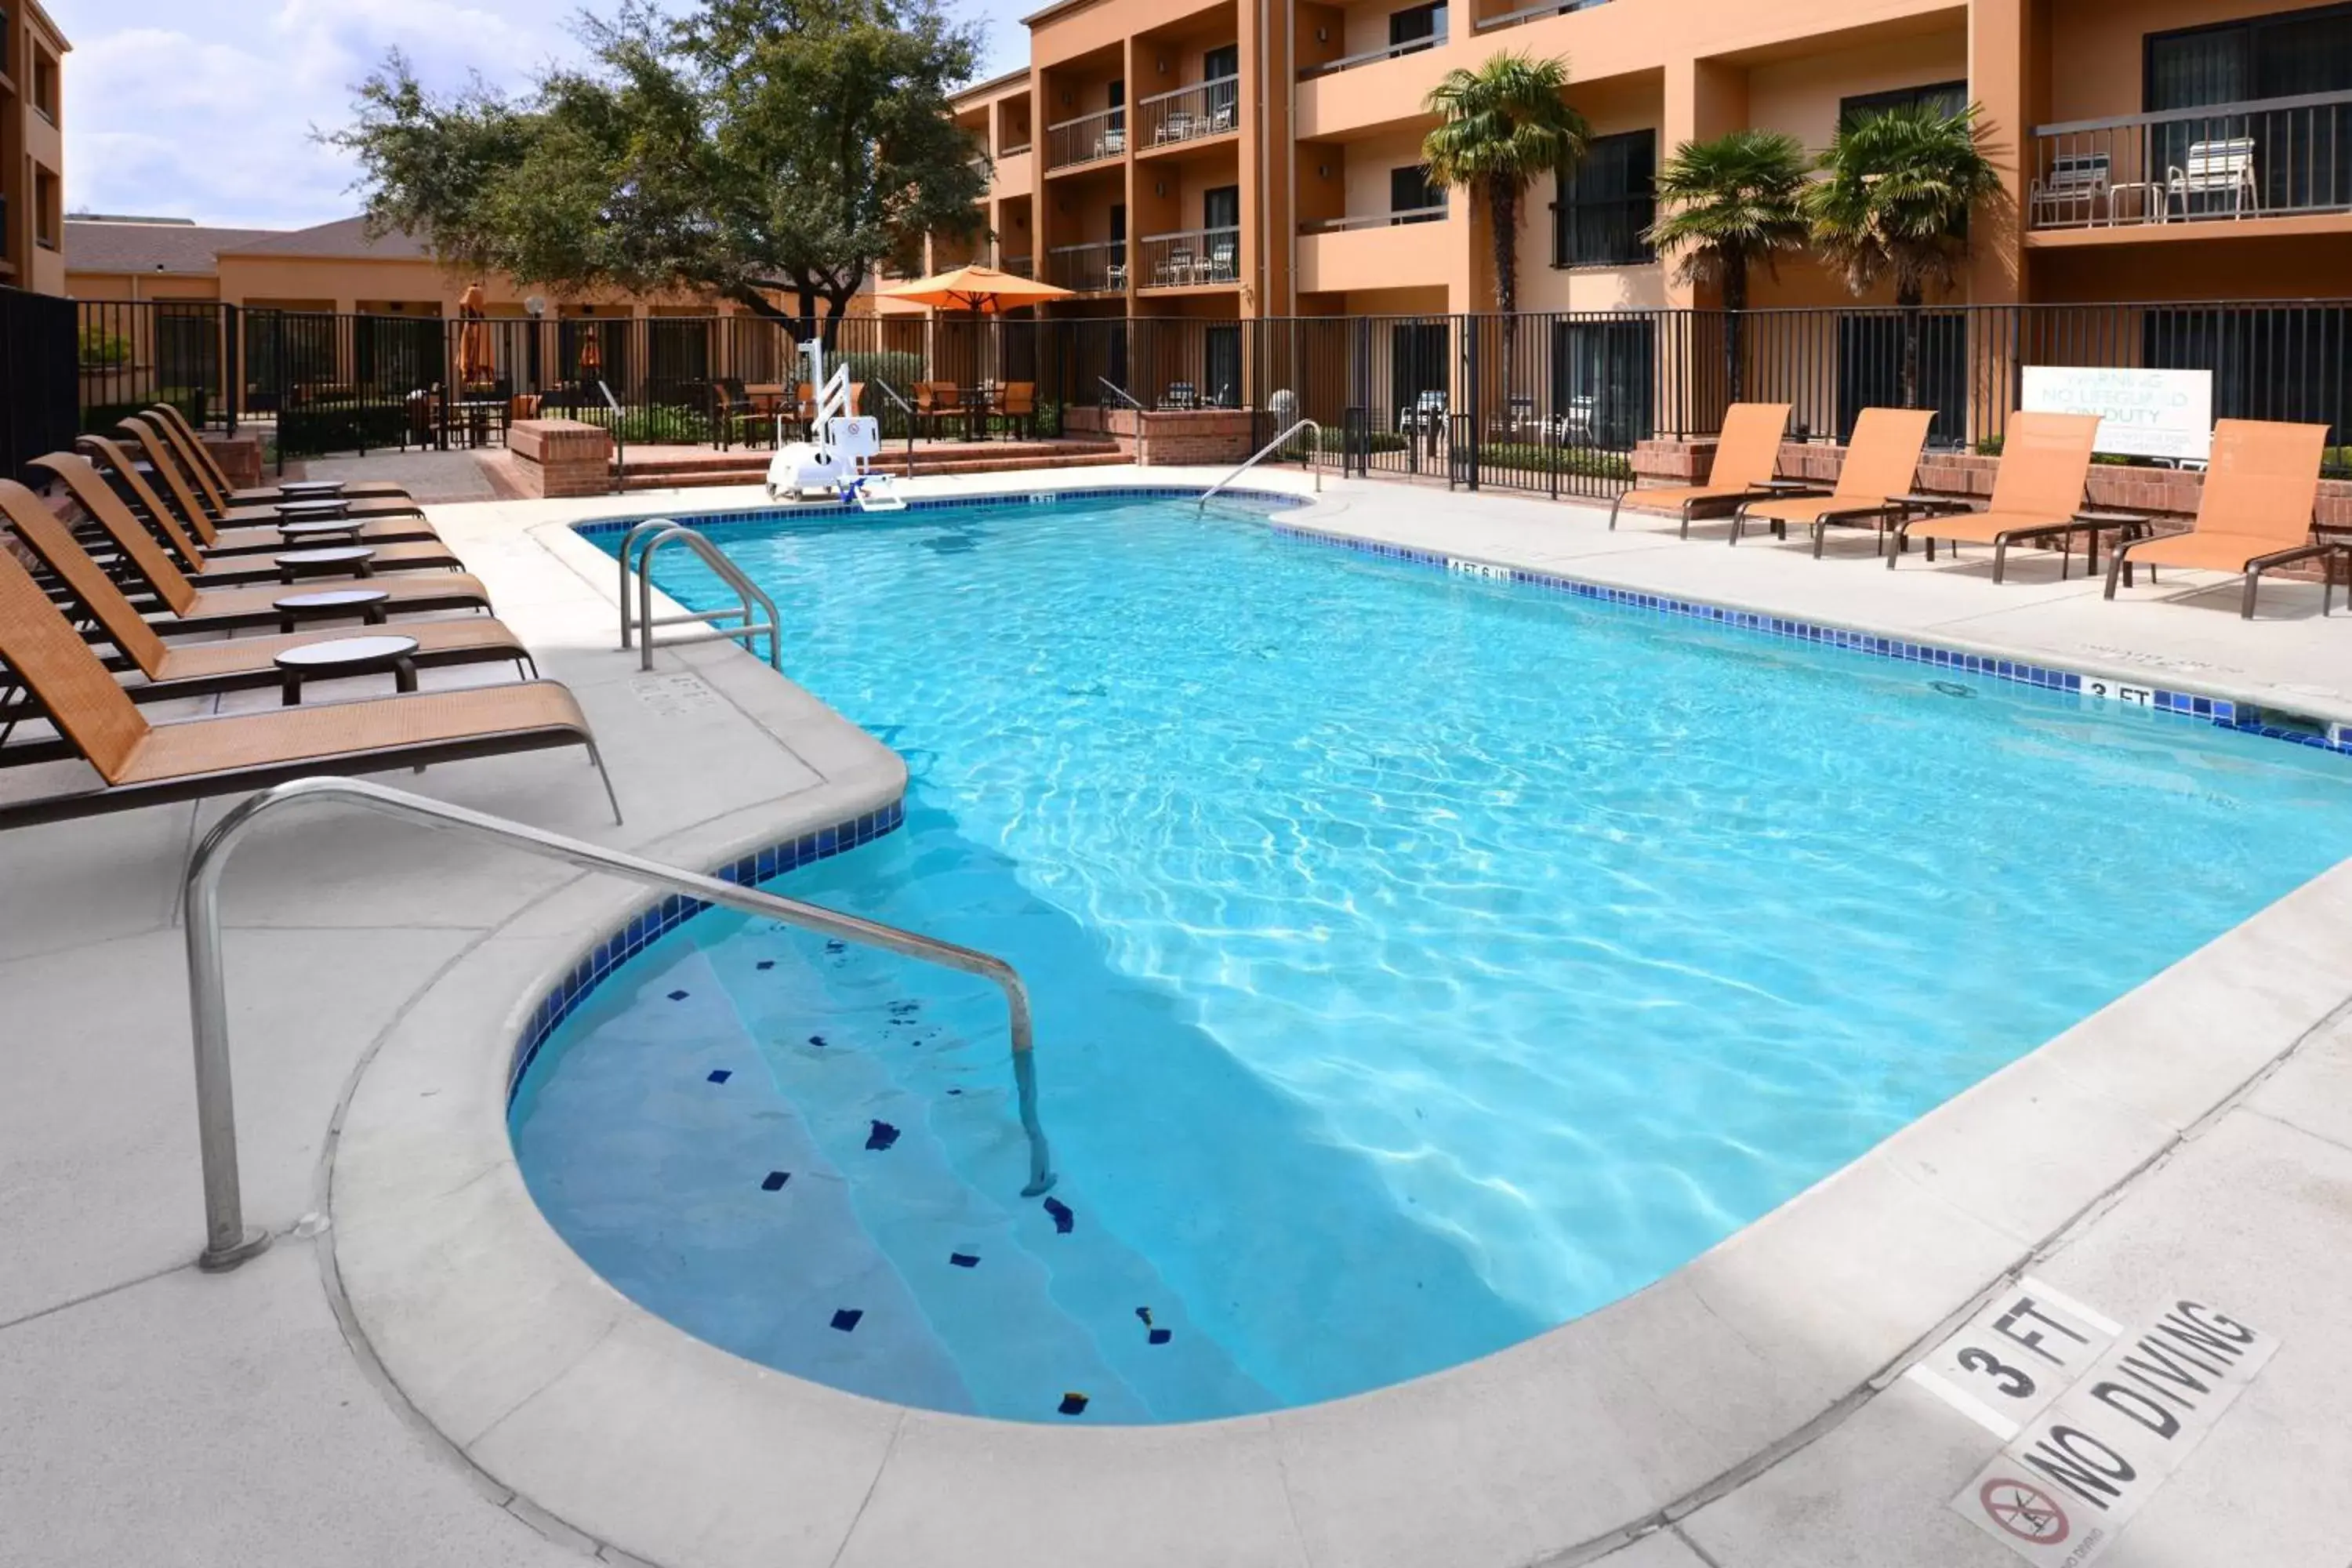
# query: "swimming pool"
1421,962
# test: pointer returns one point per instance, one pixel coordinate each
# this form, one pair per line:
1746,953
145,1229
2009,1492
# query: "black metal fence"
1543,401
37,377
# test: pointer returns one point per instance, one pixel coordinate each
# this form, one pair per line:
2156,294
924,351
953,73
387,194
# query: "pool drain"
1951,688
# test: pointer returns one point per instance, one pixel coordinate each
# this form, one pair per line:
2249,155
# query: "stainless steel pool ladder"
747,592
1315,460
229,1243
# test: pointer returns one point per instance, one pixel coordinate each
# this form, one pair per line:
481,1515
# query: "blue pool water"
1420,962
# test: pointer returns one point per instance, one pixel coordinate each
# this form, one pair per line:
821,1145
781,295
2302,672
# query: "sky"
205,108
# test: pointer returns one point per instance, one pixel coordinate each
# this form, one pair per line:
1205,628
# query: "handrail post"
229,1242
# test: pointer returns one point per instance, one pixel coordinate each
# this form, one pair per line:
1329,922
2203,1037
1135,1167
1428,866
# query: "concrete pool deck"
433,1377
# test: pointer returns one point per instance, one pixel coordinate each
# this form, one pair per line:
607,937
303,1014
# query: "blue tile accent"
846,1318
650,925
605,528
2221,711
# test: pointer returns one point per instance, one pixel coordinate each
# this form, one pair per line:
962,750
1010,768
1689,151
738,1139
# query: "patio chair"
2261,489
1176,127
734,416
2045,461
140,764
2215,168
1746,456
2075,181
1177,269
1181,396
200,669
213,481
1021,407
938,404
227,608
1425,414
1882,462
208,569
264,513
1220,265
388,526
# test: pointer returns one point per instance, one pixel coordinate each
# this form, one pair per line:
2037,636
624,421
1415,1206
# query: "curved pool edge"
630,1431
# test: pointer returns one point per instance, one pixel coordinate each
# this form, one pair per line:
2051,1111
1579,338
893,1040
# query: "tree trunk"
1909,300
1735,301
1503,207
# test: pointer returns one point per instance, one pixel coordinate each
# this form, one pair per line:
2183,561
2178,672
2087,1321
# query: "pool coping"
655,1444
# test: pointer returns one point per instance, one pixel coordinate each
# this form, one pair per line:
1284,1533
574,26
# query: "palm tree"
1734,206
1895,206
1504,125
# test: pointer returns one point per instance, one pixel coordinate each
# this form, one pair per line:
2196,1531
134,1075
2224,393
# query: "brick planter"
239,457
1167,437
560,457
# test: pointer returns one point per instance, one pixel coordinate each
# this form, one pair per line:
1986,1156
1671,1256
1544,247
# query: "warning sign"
2077,1473
2016,1357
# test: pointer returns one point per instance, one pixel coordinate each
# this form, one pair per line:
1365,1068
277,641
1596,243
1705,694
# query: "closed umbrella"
474,364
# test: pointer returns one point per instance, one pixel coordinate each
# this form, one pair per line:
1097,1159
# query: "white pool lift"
833,468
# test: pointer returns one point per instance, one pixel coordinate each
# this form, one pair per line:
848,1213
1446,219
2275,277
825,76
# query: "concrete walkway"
158,1415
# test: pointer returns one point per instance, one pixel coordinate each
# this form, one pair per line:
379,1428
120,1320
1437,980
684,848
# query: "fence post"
232,361
1470,325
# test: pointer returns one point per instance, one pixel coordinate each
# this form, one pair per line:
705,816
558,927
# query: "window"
1602,381
46,209
1220,68
1116,94
2289,362
1870,370
1220,365
1410,192
1221,207
1423,24
2297,158
1606,202
1943,97
1420,360
45,83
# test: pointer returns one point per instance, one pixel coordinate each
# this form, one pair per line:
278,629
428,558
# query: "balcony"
2270,158
1085,139
1021,266
1536,13
1096,269
1192,258
1206,108
1417,247
1370,56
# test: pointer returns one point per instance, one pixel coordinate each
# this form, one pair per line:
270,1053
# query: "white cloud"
205,108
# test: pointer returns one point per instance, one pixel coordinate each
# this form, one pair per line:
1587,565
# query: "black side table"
365,603
347,656
342,558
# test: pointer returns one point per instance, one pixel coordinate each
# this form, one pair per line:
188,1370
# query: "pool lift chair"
833,467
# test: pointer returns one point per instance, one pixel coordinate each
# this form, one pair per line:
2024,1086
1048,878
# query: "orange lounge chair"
195,669
255,562
2261,490
1882,462
149,764
226,610
1746,453
225,498
2045,461
253,525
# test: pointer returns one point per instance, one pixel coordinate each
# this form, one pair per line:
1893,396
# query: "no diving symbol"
2025,1511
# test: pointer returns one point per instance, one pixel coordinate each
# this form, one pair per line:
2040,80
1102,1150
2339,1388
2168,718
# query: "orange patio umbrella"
474,364
981,290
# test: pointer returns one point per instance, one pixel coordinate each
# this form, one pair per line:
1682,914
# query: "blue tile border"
652,923
2221,711
783,512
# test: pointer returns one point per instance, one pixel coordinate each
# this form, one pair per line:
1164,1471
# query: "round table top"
323,505
335,555
309,487
340,651
305,525
334,598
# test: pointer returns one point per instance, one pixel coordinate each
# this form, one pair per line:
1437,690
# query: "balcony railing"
1014,149
1372,57
2265,158
1102,134
1097,269
1209,107
1374,220
1191,256
1533,14
1021,266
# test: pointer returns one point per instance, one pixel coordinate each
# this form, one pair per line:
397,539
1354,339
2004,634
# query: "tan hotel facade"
1240,158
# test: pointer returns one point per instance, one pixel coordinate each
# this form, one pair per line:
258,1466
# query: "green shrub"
102,417
655,424
1585,461
324,427
1333,441
102,350
900,368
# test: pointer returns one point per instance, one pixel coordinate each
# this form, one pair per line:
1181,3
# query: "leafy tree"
1733,205
749,149
1895,206
1503,124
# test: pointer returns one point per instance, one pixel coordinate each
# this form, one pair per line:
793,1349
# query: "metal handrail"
619,447
1315,453
2242,109
747,592
891,393
1119,392
229,1243
1348,62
